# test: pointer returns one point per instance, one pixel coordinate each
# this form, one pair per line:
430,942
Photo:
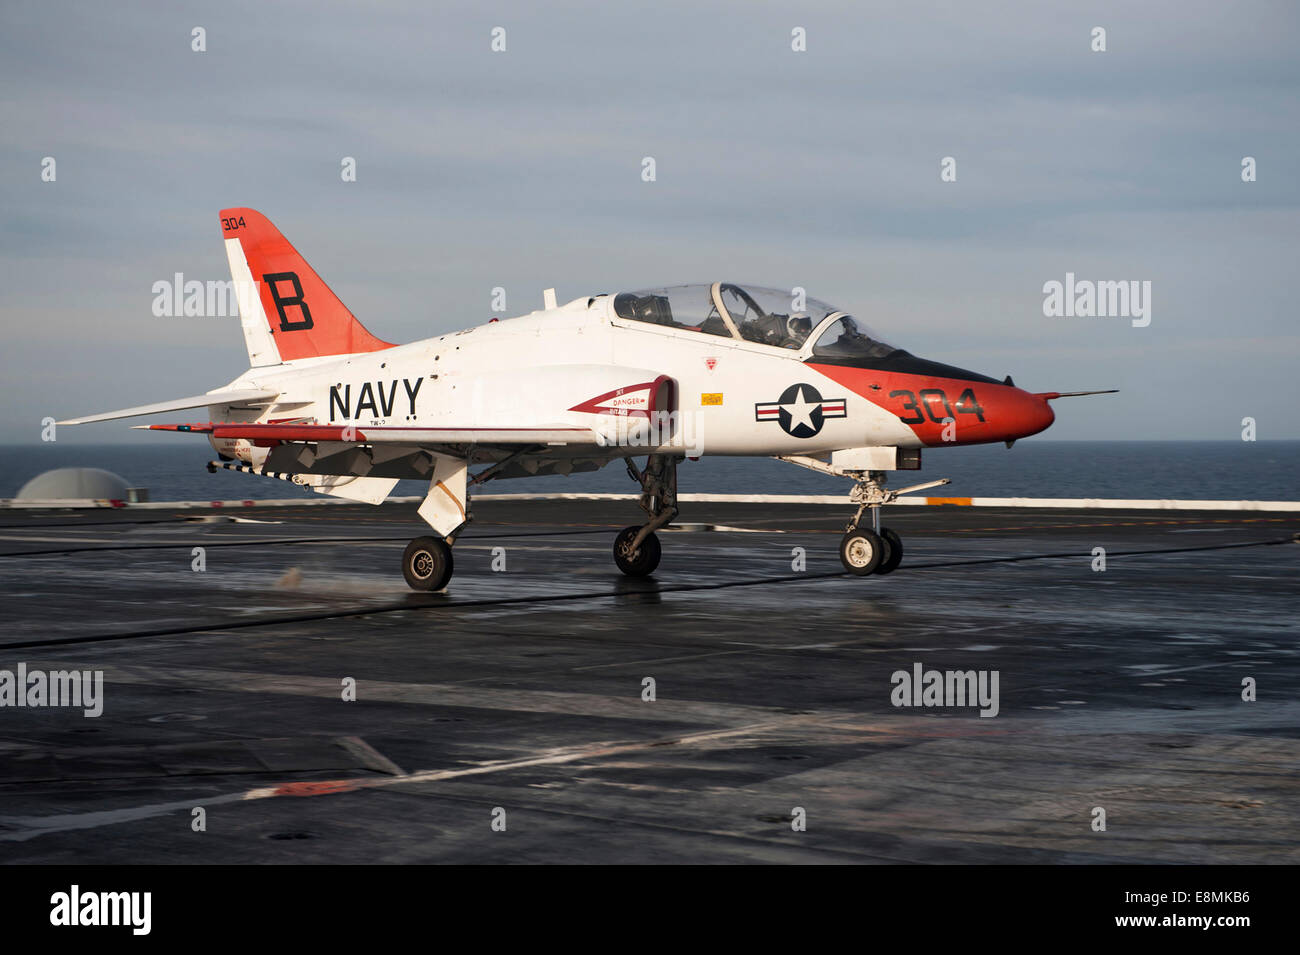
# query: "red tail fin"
294,314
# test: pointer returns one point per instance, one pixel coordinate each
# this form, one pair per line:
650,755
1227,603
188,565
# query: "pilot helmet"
799,324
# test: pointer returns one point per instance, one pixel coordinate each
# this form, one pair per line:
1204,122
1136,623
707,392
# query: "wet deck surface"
522,689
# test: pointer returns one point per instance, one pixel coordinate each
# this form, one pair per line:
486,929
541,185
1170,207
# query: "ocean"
1219,470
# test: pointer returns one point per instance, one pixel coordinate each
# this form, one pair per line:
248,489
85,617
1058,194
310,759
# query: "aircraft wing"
557,435
179,404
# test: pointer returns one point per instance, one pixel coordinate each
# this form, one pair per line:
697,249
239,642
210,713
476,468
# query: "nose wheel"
878,550
894,551
861,551
427,564
865,552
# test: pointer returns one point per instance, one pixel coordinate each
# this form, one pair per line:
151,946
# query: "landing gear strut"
636,549
426,562
873,550
878,550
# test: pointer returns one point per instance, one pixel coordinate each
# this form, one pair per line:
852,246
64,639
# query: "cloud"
521,170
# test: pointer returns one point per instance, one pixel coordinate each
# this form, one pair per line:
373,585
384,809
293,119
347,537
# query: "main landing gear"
427,563
636,549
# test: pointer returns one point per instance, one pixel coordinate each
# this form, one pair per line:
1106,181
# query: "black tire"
861,552
427,564
893,551
643,562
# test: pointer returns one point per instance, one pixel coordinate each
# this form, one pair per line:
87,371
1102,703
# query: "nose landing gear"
895,557
636,549
875,551
878,550
866,551
862,552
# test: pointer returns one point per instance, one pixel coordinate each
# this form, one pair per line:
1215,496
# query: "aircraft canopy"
752,313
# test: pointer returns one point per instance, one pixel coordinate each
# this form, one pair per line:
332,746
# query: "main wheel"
893,551
861,551
427,563
641,562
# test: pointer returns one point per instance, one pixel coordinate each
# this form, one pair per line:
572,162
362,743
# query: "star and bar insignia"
801,410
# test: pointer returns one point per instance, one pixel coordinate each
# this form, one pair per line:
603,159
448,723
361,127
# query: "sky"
523,169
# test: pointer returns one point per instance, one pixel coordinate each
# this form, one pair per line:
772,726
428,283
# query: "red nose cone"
1023,414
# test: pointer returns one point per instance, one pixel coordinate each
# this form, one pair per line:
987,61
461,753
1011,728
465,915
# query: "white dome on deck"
74,484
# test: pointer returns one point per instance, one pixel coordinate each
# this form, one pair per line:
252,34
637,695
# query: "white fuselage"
535,370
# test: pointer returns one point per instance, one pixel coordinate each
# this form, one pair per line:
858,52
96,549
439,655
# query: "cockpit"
751,313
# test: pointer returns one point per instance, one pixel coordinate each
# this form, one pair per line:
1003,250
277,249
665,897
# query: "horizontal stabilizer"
179,404
352,434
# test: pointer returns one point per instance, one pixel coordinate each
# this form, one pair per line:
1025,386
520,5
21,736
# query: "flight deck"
270,667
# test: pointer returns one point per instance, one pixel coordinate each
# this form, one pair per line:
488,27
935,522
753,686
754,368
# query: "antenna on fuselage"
548,298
